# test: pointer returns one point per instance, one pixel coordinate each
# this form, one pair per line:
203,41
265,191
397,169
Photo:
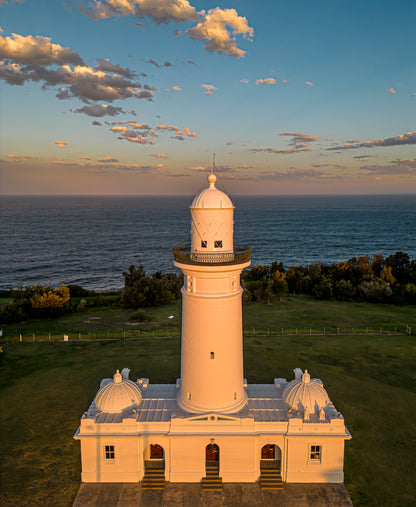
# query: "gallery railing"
184,255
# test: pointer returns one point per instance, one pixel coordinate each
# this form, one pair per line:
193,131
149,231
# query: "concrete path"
191,495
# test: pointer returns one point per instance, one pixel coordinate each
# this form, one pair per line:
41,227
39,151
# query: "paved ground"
191,495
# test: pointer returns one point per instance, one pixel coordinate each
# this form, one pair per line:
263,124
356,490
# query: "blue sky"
134,96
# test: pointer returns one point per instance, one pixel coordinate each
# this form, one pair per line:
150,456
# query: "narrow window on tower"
235,396
109,452
218,244
212,355
188,396
203,243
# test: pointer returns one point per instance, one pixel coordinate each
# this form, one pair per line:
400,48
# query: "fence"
133,334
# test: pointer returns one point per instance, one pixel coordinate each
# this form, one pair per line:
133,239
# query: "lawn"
45,387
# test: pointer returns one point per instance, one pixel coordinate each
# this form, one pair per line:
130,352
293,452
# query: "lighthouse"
212,377
211,427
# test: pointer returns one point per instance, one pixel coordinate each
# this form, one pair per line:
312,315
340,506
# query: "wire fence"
134,334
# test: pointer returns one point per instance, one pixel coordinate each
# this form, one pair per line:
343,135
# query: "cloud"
87,158
244,80
360,157
398,167
132,135
298,174
308,83
108,165
392,91
280,152
402,139
37,59
181,132
152,62
159,11
213,28
141,133
99,110
167,64
413,95
107,159
300,137
267,80
19,158
208,87
219,27
192,63
174,89
61,144
158,155
353,141
229,143
106,66
36,51
97,123
197,168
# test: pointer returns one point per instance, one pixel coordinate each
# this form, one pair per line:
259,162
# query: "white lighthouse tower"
212,343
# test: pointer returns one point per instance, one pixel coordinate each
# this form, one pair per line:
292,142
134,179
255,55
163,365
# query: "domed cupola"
212,222
118,395
306,395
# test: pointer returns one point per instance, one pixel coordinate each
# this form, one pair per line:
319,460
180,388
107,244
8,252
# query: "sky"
135,96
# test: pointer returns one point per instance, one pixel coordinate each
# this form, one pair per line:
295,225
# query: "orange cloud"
61,144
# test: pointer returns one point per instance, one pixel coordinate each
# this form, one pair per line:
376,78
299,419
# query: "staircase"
270,477
154,475
212,481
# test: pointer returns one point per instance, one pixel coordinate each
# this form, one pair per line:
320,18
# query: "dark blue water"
90,241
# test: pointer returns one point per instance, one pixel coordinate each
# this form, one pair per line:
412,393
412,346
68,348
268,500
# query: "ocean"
90,241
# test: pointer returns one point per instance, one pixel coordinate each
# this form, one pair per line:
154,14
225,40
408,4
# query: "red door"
156,451
267,452
212,452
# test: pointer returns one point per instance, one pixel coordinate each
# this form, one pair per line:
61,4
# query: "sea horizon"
91,240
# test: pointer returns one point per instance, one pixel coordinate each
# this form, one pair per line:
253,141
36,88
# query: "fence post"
20,338
268,331
79,336
33,336
94,335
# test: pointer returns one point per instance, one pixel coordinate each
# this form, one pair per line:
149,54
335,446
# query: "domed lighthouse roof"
211,197
306,395
118,395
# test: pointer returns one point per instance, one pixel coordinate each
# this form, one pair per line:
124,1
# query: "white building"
212,426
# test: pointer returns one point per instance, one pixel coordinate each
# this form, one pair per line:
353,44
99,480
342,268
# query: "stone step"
212,483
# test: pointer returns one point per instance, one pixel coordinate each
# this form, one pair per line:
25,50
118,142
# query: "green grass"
295,313
45,387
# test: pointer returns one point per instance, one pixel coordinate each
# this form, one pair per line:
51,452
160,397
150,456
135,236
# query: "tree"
400,266
279,285
46,297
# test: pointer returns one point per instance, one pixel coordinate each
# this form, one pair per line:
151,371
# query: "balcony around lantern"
184,255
